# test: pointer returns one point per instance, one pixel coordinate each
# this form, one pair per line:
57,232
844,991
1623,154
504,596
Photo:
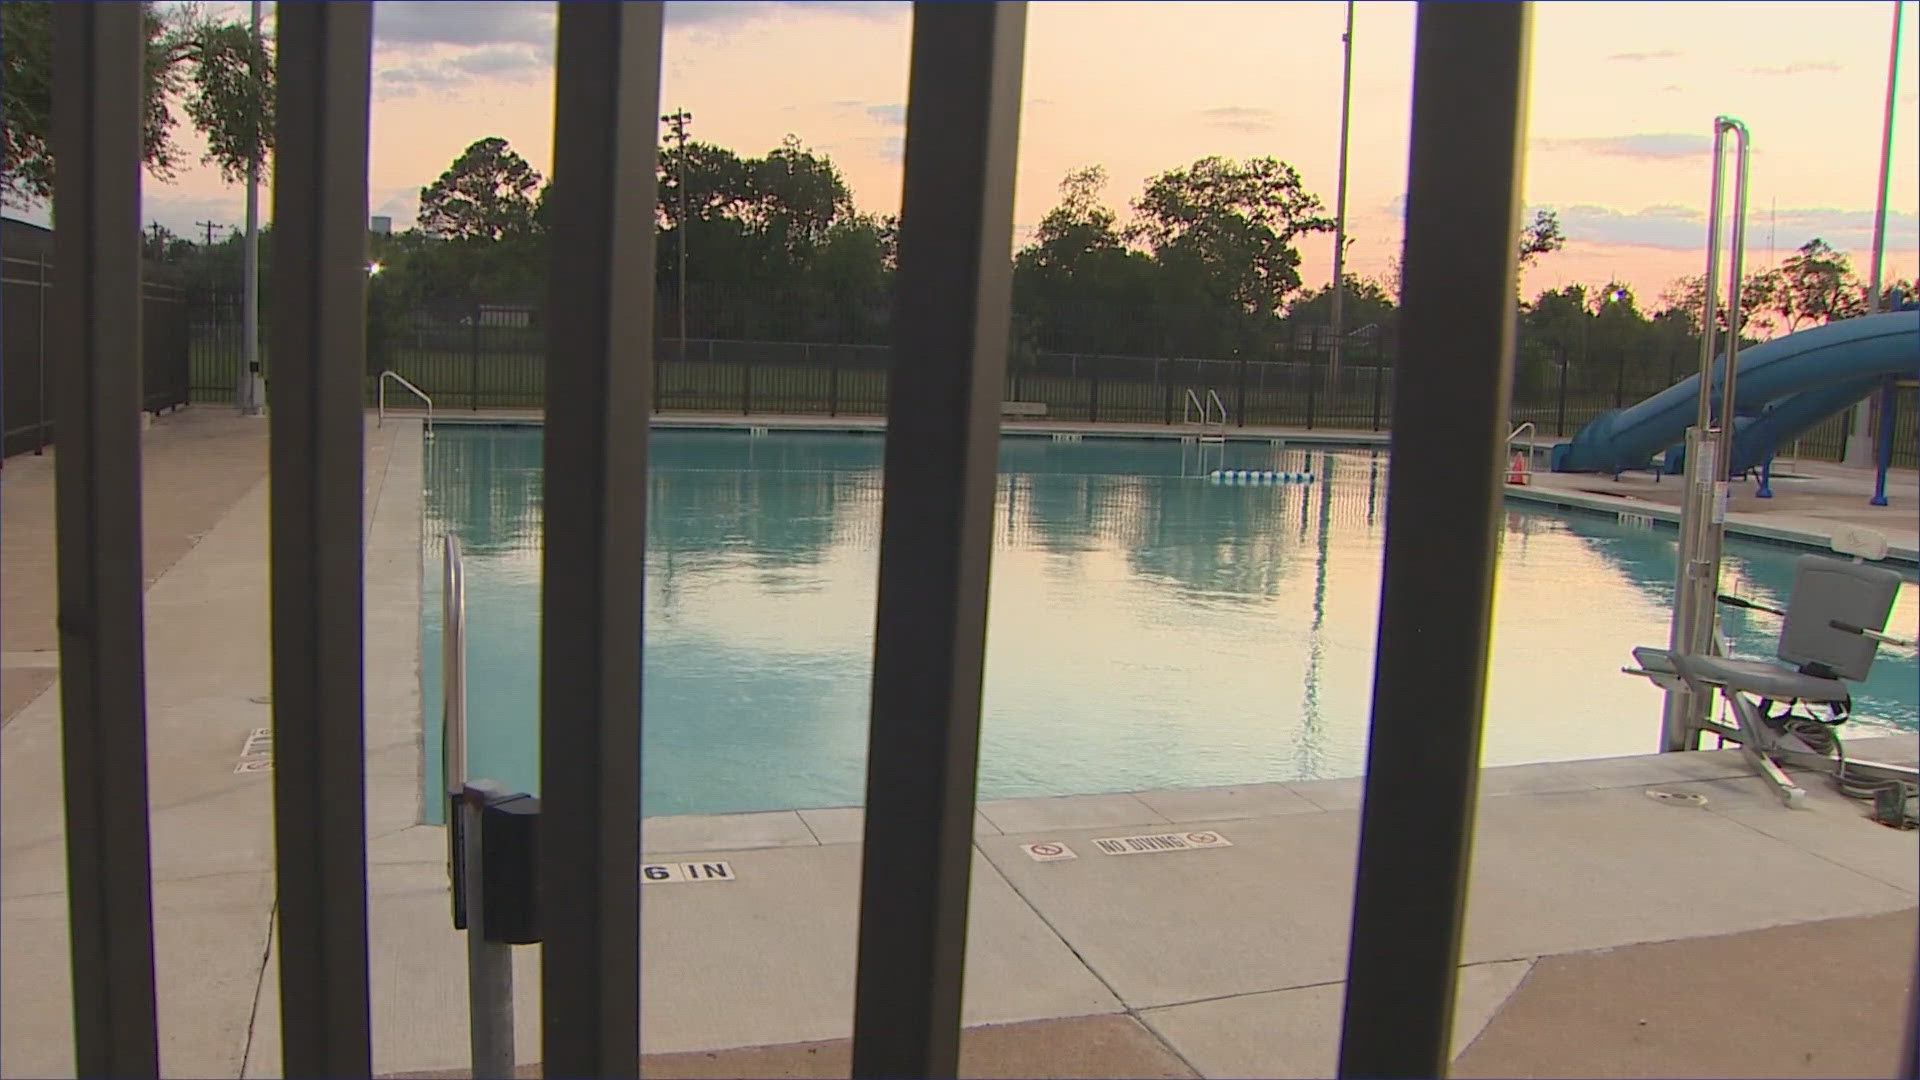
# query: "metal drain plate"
1677,798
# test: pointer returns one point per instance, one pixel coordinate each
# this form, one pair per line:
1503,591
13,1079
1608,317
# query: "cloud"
1684,228
890,115
444,45
439,45
416,24
1643,57
1800,68
714,14
1239,117
1645,146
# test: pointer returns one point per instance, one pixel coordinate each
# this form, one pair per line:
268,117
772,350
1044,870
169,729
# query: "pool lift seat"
1830,632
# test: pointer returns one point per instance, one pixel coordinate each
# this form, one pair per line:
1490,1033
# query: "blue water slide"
1828,361
1756,438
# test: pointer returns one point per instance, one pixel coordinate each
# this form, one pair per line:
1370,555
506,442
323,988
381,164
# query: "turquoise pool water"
1147,628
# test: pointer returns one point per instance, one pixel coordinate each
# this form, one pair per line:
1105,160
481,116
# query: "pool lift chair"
1829,634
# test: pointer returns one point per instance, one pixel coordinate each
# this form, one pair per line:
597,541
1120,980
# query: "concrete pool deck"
1598,914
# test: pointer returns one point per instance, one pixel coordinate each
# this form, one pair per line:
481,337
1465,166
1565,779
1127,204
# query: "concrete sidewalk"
1216,961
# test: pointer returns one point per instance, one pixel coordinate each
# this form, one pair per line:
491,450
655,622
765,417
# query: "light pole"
1340,205
679,119
1859,438
247,390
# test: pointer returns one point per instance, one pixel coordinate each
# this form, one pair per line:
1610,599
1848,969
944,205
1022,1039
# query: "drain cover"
1680,798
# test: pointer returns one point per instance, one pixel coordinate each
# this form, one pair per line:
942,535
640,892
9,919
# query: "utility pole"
679,119
246,387
1859,436
211,228
1340,210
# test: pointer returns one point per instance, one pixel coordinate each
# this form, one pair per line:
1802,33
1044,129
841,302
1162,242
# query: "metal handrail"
1193,404
1514,435
416,391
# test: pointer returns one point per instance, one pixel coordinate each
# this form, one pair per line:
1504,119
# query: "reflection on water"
1146,628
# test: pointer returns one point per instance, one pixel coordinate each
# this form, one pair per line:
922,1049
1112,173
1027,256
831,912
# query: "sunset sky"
1623,99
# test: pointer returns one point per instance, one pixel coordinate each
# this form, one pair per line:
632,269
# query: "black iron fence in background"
492,356
26,288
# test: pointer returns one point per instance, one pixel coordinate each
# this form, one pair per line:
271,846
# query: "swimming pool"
1146,628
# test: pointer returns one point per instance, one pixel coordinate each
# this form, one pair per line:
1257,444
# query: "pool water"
1146,628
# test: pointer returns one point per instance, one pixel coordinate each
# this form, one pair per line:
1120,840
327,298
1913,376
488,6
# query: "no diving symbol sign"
1048,851
1144,845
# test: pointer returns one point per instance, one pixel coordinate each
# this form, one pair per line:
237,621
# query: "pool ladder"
410,388
1211,413
1518,469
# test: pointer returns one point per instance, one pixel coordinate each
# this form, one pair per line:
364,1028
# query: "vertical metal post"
943,420
1884,457
489,963
473,362
1560,411
98,50
1312,383
1859,444
600,357
246,385
1444,499
40,347
317,476
1703,506
1340,203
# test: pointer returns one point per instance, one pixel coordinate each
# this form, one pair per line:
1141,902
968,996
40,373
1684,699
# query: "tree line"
1205,262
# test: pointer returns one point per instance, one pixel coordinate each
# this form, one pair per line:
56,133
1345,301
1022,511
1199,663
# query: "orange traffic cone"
1517,473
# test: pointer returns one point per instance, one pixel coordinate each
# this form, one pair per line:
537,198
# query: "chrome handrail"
416,391
1190,406
1514,435
1213,401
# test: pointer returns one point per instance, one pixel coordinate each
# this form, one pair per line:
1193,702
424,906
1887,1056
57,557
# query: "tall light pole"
244,390
1859,439
679,119
1340,205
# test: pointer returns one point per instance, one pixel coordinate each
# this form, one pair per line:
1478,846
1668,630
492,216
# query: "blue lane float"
1258,476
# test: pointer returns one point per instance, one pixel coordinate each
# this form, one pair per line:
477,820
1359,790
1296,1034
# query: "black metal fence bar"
599,381
1444,492
950,341
98,50
316,468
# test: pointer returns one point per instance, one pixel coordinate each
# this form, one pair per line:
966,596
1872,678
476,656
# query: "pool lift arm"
1834,623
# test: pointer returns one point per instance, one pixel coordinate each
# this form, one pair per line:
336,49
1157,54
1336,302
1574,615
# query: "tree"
1541,237
1234,225
1687,296
1816,285
162,246
214,69
1366,303
1077,286
797,198
486,194
1079,226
